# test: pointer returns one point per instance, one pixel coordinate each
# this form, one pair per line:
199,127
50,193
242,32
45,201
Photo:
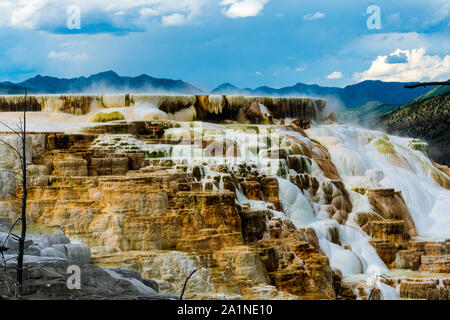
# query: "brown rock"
110,166
435,248
436,263
269,189
337,281
301,123
346,292
408,259
297,267
69,141
391,205
70,166
390,230
362,218
328,168
299,163
386,250
254,111
335,194
251,189
143,129
303,181
254,224
417,245
423,289
135,160
331,118
443,168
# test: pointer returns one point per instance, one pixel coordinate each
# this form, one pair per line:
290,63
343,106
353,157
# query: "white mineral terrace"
354,151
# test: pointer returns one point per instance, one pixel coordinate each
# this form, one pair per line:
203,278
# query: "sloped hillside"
439,90
427,119
366,113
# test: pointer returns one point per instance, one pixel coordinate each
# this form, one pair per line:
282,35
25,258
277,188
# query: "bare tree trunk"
424,84
21,133
24,206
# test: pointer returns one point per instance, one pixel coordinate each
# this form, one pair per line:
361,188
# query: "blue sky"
246,42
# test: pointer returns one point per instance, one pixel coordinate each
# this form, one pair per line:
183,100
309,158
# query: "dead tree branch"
185,283
425,84
22,157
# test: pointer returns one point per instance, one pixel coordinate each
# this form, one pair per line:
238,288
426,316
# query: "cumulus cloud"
335,75
67,56
97,15
314,16
242,8
148,12
418,67
175,19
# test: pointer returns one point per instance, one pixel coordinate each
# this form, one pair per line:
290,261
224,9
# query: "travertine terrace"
262,195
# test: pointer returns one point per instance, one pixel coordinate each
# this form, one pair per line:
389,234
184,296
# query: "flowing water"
356,153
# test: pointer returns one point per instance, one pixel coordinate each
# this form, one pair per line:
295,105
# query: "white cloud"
300,69
314,16
175,19
418,67
67,56
51,15
242,8
148,12
335,75
258,73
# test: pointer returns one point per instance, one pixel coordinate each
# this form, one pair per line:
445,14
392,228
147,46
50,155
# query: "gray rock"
7,184
61,248
33,250
133,274
48,240
78,252
11,243
46,278
52,252
5,224
139,285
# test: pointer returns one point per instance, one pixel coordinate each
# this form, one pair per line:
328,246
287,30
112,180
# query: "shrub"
107,116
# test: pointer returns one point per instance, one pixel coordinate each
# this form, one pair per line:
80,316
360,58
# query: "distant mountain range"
351,96
104,82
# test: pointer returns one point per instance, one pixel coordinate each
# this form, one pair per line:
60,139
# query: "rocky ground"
46,272
136,210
